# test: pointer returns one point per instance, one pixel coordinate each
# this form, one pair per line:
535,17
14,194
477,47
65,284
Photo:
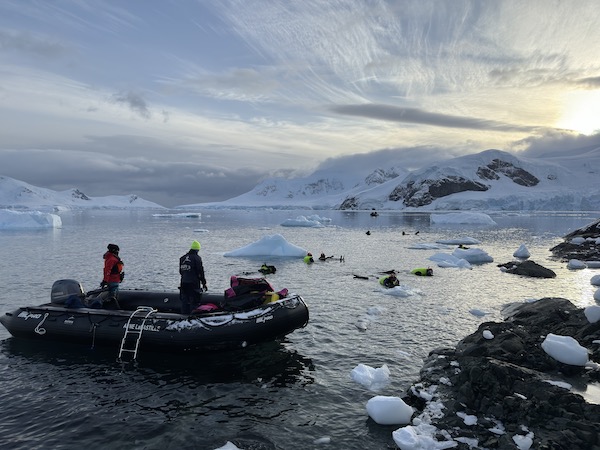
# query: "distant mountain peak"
16,194
490,180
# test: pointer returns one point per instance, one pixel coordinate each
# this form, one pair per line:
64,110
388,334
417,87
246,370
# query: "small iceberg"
303,221
271,245
17,220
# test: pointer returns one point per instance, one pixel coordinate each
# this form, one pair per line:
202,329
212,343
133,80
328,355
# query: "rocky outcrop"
426,191
509,388
528,269
516,174
582,244
421,192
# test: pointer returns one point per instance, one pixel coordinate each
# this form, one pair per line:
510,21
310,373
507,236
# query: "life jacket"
427,272
384,281
113,268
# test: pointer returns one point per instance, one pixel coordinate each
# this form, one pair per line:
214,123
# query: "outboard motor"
63,290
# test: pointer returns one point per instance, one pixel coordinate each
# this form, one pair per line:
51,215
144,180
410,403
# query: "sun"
581,112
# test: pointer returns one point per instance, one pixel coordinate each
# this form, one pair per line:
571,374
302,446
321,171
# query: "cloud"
556,143
134,101
589,82
27,42
166,183
416,115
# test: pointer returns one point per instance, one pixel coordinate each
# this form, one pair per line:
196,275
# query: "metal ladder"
134,335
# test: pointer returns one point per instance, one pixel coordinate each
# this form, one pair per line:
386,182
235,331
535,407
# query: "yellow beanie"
195,245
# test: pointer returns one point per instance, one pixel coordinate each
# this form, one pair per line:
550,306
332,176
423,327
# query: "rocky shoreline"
499,389
509,386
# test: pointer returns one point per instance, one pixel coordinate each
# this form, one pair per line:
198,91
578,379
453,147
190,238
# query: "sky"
188,101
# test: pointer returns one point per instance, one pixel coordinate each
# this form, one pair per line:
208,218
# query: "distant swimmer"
416,233
368,233
324,258
425,272
308,259
389,281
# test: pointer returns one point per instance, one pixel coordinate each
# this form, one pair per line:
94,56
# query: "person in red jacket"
113,273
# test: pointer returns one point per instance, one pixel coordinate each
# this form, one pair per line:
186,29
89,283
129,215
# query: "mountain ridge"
489,180
18,195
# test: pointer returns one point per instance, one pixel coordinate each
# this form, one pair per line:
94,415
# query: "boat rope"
93,330
39,330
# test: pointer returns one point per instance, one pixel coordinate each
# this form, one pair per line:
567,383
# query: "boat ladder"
133,331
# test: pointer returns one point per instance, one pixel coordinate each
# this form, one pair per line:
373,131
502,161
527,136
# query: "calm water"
275,396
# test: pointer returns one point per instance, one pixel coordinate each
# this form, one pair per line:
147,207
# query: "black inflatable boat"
146,321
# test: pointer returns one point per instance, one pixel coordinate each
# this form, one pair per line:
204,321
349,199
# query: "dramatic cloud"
415,115
166,183
148,98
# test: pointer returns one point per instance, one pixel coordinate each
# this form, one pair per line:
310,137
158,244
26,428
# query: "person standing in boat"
113,273
192,276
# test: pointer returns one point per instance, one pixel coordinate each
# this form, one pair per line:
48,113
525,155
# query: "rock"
504,382
582,244
528,269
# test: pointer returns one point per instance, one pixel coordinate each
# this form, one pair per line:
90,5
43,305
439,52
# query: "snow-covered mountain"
15,194
490,180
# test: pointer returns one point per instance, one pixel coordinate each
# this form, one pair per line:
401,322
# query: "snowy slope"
15,194
490,180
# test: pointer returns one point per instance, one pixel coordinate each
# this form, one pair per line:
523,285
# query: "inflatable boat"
147,321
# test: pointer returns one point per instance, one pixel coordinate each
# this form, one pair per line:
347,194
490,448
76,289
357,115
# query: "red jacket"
112,268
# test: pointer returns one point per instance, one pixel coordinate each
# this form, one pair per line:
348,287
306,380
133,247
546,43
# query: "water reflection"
270,363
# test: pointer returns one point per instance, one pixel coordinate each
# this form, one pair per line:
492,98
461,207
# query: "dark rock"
516,174
504,381
424,192
589,250
528,269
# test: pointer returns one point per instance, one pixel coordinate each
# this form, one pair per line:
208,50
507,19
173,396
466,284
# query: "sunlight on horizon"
581,112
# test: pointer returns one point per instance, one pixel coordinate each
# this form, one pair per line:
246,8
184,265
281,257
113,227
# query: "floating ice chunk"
16,220
362,324
522,252
592,313
302,221
273,245
371,378
446,260
478,312
228,446
322,440
400,291
473,255
575,264
565,349
389,410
